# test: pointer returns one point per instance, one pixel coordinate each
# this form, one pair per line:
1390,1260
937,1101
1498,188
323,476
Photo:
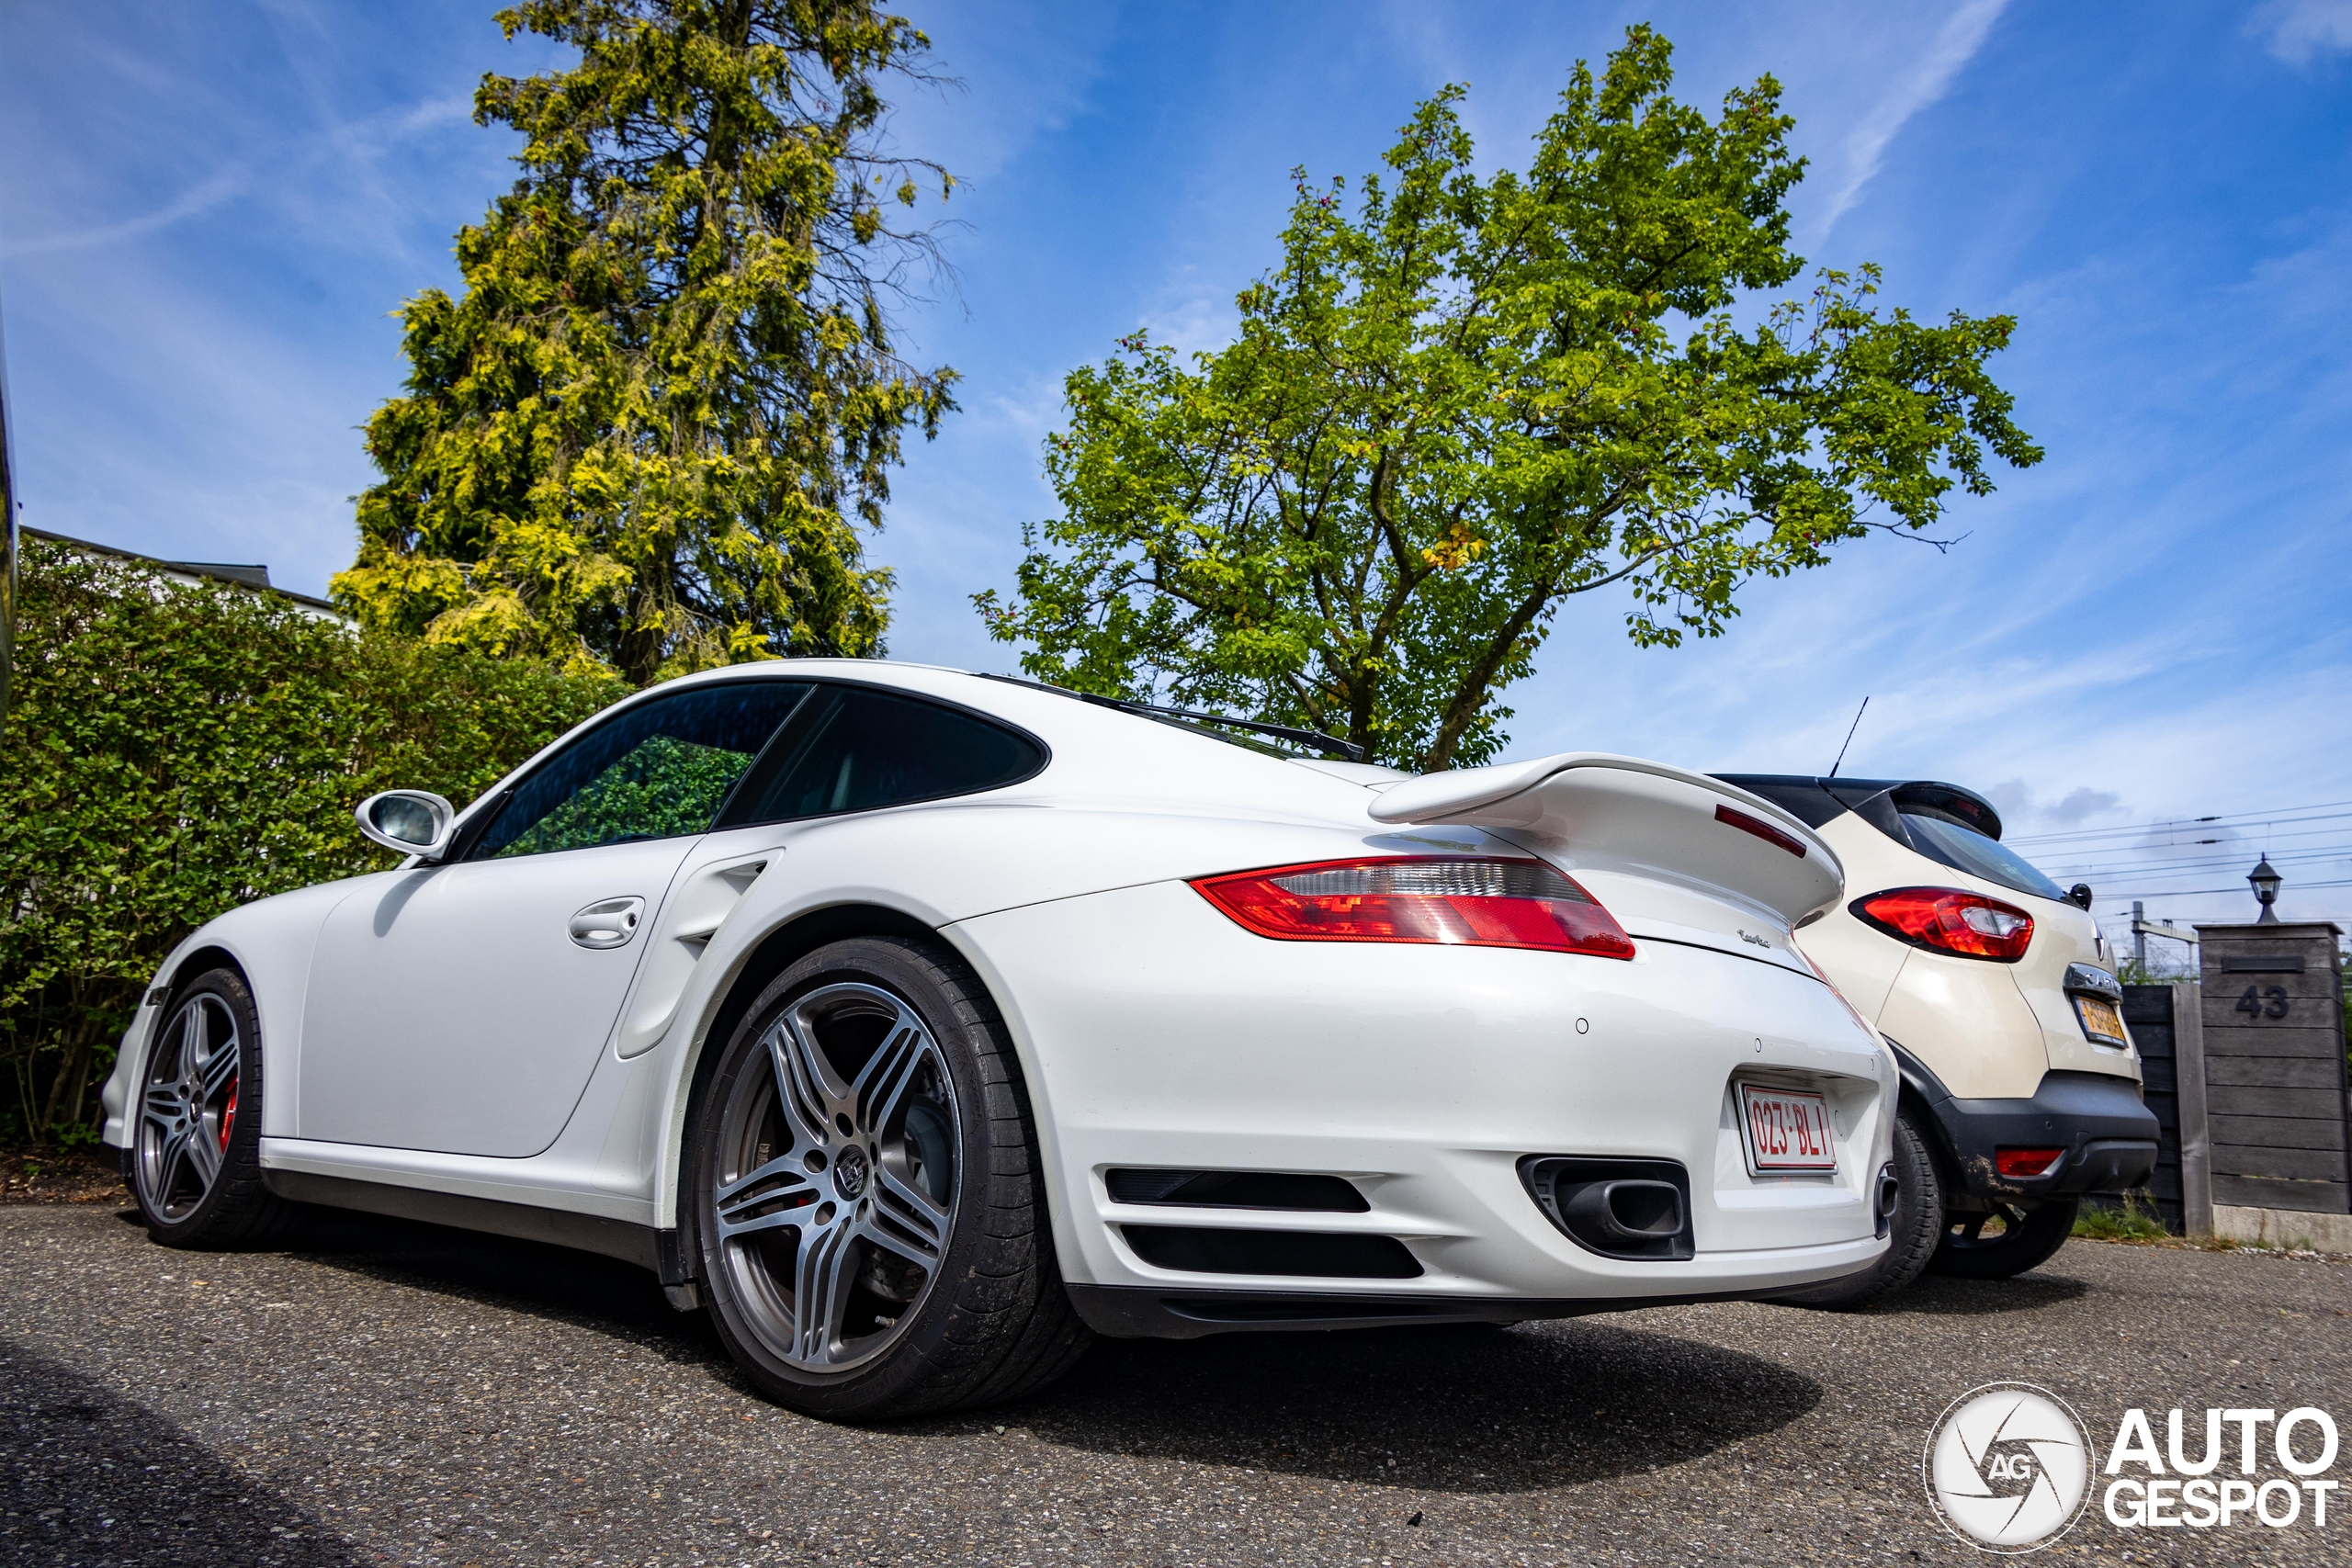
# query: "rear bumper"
2109,1135
1158,1036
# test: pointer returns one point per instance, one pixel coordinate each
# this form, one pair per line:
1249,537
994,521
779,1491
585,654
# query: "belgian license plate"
2101,1021
1787,1130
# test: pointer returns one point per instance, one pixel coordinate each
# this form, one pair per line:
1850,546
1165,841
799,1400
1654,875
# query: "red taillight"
1951,920
2026,1162
1465,903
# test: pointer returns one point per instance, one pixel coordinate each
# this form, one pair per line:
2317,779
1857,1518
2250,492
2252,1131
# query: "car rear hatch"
1952,836
1676,856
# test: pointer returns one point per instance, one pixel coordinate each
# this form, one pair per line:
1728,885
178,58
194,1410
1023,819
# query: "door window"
659,769
854,748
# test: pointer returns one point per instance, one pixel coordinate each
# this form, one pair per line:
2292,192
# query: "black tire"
196,1124
828,1208
1912,1235
2027,1239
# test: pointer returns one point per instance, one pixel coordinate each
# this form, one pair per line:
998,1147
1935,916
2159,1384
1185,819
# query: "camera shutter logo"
2008,1467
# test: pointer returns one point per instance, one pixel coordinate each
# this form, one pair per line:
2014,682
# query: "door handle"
608,922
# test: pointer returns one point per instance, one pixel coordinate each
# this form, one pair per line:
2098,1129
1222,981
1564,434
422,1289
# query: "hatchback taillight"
1951,919
1466,903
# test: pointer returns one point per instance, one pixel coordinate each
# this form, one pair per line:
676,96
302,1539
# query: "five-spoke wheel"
867,1200
196,1162
836,1190
187,1113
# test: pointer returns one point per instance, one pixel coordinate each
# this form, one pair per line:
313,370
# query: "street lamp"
2266,882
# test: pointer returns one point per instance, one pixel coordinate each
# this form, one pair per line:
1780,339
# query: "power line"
2204,848
2316,856
2189,824
2193,891
2246,843
2314,863
2285,814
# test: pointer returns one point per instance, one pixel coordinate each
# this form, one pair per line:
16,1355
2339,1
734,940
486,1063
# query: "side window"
658,771
853,749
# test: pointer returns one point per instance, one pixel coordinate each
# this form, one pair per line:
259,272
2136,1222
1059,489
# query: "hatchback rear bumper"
2109,1136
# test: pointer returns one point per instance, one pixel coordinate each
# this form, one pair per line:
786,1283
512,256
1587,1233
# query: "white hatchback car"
917,1022
2021,1087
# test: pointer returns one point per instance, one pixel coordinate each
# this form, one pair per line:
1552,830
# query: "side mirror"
407,821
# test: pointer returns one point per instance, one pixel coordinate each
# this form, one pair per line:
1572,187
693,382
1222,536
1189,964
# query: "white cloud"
1195,324
2020,808
202,197
1017,72
2301,30
1928,79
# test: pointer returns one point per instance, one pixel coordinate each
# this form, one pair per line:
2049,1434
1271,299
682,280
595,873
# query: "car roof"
1098,750
1818,800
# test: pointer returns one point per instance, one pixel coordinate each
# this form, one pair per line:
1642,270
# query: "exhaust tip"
1619,1208
1634,1210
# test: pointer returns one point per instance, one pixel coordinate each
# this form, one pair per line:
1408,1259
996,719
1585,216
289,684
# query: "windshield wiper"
1330,745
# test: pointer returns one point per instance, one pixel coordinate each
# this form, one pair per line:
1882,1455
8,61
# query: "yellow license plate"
2101,1018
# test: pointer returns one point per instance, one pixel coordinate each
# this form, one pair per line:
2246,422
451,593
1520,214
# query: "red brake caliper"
228,1118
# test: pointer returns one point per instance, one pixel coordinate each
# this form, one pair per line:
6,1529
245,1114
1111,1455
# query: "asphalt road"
413,1395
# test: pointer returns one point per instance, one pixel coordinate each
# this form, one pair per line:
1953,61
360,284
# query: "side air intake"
1201,1249
1236,1190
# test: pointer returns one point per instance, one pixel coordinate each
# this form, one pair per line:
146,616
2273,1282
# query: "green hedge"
174,751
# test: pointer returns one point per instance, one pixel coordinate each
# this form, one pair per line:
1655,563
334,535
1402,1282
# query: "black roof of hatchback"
1814,801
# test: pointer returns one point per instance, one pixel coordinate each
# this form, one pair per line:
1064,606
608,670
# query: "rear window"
1964,849
855,749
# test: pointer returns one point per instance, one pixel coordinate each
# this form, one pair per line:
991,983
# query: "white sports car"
916,1023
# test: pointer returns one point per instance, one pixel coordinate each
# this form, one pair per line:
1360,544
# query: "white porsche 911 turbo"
917,1023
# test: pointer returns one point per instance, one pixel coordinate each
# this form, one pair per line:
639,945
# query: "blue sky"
208,212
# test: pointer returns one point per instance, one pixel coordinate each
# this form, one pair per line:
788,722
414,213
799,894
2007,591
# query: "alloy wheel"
187,1112
1968,1231
835,1191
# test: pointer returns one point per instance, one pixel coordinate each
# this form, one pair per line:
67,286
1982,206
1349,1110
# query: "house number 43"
2269,1002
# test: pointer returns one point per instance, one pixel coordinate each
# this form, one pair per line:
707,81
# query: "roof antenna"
1849,736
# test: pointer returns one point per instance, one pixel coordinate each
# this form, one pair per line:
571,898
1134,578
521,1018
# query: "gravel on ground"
395,1393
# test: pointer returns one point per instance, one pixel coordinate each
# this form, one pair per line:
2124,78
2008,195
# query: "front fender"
270,941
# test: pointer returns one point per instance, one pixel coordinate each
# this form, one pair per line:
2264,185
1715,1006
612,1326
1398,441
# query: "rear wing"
1644,818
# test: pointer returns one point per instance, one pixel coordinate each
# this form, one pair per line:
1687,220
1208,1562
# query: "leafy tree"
174,751
1475,398
645,435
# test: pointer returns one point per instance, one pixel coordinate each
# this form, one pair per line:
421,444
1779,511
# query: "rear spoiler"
1644,818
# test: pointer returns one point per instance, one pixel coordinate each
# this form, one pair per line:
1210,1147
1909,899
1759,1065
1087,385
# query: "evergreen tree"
645,436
